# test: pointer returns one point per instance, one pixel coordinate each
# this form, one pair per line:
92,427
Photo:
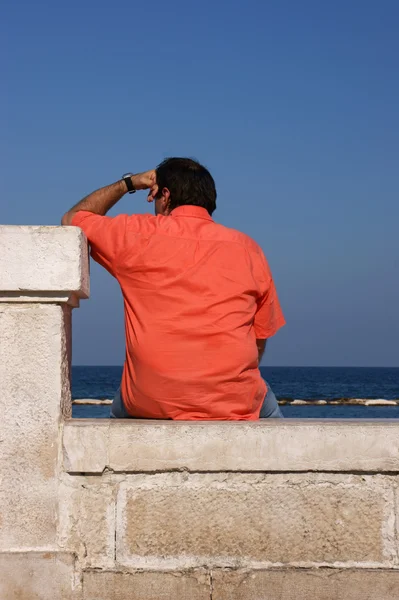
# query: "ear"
165,201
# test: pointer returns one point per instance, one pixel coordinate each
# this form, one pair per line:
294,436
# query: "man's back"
197,295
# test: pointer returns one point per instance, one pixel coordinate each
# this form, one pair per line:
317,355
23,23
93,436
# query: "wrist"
123,187
136,182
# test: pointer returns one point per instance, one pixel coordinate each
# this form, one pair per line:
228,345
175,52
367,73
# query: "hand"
145,181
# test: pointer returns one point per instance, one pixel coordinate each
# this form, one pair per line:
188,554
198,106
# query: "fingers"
144,181
150,179
152,193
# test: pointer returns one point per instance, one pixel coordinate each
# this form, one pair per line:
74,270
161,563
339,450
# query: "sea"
302,383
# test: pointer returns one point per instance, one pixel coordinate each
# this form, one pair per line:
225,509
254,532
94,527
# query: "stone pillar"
43,274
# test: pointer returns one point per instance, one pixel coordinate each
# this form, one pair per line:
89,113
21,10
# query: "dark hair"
188,183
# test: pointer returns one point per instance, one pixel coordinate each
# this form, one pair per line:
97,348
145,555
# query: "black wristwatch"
127,178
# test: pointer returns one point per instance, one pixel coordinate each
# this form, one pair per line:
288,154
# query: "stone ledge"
43,259
92,446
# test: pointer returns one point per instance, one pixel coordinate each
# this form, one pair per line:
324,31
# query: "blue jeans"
270,408
118,410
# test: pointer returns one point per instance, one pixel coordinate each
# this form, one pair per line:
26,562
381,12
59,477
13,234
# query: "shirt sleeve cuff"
264,334
79,217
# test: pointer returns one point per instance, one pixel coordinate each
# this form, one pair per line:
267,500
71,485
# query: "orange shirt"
197,295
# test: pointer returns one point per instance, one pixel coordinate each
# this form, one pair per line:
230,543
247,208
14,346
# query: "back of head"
188,182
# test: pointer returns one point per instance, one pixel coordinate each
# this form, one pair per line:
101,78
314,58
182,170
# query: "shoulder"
235,236
254,252
145,224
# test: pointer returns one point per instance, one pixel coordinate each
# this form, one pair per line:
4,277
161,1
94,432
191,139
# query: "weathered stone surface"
38,576
87,519
40,268
34,352
181,521
146,586
136,446
43,262
396,486
301,584
86,446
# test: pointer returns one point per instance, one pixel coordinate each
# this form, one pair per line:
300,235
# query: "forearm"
102,200
98,202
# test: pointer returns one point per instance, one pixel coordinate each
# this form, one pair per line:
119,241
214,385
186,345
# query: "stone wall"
145,510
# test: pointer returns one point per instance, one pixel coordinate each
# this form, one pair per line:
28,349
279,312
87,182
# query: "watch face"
127,175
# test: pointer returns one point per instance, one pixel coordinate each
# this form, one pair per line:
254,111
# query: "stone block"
38,576
182,521
146,586
396,486
35,393
302,584
87,519
85,446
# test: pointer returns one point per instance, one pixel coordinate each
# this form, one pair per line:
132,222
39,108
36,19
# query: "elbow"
66,219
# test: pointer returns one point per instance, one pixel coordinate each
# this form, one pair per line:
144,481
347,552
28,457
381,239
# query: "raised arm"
102,200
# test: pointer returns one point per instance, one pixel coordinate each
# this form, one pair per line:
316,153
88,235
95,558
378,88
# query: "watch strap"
127,178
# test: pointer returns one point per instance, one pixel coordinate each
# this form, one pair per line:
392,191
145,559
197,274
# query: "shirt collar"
188,210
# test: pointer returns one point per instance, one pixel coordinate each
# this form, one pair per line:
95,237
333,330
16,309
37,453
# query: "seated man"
199,299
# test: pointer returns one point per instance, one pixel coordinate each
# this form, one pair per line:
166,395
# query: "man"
199,299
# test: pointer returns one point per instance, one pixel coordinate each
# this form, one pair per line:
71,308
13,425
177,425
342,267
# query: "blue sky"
293,106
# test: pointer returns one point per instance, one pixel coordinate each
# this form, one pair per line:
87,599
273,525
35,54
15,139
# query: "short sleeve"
106,236
269,317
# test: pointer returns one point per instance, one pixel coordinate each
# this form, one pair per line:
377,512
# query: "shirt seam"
193,217
258,251
198,239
